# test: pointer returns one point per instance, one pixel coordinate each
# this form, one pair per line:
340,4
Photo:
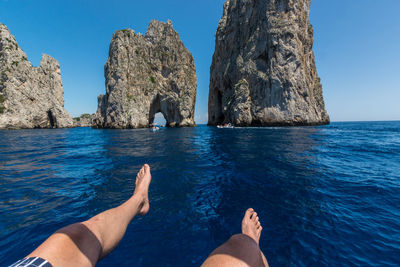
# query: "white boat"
226,126
154,129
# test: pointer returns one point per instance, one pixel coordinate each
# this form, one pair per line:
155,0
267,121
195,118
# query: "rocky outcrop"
146,75
84,120
30,97
263,71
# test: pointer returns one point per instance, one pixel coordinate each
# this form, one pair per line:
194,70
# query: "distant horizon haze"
355,46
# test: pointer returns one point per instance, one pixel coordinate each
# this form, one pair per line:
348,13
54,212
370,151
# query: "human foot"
142,183
251,226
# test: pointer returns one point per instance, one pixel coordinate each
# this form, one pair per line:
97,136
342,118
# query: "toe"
254,216
146,167
141,171
248,213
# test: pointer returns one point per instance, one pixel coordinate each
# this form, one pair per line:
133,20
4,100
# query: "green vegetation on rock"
317,85
152,79
2,108
129,96
126,32
242,82
85,116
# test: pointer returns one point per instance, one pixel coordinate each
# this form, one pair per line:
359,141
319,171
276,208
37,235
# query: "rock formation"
263,71
84,120
30,97
146,75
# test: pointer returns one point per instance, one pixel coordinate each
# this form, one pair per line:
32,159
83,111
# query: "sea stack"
263,71
146,75
30,97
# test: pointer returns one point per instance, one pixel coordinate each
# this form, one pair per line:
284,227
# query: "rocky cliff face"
146,75
263,71
30,97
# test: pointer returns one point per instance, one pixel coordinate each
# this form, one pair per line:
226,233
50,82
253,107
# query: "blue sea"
326,196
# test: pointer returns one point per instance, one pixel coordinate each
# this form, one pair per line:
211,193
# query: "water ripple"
325,195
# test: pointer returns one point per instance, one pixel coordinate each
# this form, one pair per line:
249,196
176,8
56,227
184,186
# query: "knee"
79,234
84,240
242,240
74,231
239,250
242,244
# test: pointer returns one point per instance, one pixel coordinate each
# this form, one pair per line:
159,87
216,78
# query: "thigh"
74,245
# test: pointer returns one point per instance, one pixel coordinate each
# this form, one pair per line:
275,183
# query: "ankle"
141,196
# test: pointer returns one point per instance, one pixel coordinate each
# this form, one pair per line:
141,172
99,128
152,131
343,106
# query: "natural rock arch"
158,106
159,119
145,75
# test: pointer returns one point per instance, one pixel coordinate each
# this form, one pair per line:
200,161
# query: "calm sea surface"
325,195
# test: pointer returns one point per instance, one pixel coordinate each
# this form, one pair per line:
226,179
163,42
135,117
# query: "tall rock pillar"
263,71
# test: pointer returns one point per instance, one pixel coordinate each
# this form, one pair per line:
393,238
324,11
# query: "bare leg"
83,244
241,249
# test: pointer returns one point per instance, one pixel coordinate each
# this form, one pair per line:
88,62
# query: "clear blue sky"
356,46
